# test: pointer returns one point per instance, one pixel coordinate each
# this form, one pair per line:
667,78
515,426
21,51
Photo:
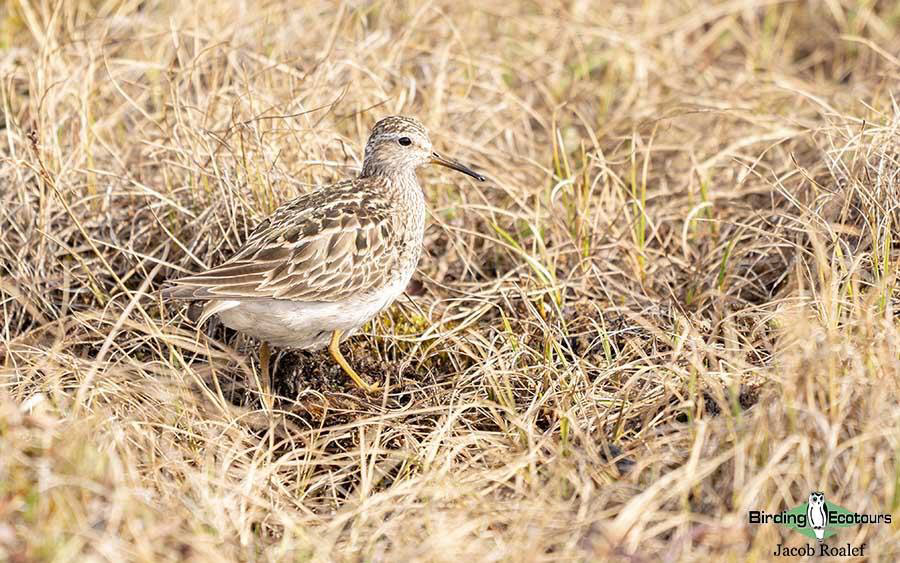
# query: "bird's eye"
405,141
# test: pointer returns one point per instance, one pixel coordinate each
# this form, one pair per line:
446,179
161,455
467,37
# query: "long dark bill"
438,159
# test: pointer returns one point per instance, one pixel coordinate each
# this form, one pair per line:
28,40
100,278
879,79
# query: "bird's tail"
184,292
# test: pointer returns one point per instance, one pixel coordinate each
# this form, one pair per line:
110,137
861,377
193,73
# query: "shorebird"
325,263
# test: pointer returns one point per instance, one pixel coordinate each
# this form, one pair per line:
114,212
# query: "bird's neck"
373,168
395,180
402,188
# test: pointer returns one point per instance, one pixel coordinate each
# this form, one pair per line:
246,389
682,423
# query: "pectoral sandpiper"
325,263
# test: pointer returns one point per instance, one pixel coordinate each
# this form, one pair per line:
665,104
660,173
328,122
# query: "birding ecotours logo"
818,519
817,514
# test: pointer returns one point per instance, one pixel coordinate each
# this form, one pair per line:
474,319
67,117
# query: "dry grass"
674,301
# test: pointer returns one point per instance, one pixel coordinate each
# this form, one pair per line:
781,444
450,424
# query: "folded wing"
324,246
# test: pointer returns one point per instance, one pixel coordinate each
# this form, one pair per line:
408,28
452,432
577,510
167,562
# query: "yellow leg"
264,366
335,348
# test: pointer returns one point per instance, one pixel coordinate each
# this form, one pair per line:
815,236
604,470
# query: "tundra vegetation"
674,301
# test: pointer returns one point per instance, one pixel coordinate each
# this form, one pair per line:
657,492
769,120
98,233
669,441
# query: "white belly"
308,326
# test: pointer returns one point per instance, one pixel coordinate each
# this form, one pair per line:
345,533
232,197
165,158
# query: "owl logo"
817,514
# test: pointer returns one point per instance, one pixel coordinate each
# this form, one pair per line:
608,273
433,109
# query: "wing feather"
323,246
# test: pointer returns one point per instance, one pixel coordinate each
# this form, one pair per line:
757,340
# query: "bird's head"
400,145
